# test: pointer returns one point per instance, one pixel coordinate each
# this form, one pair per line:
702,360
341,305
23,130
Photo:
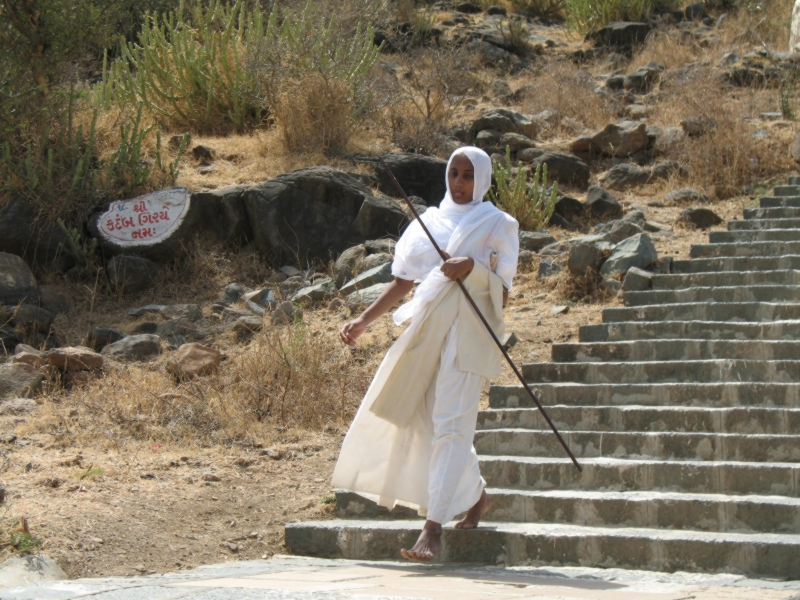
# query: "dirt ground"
139,507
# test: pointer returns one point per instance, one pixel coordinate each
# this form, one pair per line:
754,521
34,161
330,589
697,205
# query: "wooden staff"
482,318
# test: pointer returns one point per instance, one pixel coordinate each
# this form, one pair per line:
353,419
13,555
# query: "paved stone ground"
297,578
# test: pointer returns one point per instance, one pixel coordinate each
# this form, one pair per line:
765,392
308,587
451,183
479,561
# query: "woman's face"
461,179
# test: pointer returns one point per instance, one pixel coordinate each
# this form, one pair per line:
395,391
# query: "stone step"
703,330
783,212
786,190
736,263
794,180
774,555
659,445
745,249
671,350
716,294
704,311
614,474
694,371
760,224
763,235
779,201
741,420
714,279
657,510
732,394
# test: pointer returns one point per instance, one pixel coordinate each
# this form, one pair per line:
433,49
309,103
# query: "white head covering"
474,229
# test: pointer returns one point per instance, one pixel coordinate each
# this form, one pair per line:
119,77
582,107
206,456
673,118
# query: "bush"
587,15
552,9
529,203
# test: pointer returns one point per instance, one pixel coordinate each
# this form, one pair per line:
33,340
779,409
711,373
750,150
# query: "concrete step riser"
648,475
772,213
738,237
701,311
505,545
702,330
667,511
670,350
774,421
779,202
760,224
708,395
654,372
687,280
753,293
786,190
744,249
728,264
656,446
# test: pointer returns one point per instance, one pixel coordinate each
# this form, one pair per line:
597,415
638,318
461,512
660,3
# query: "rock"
203,153
348,262
558,310
697,125
497,11
668,139
291,285
24,234
32,318
382,246
380,216
380,274
636,251
19,380
566,169
569,208
189,312
619,34
17,283
515,141
699,217
191,360
621,139
525,258
128,273
655,227
556,249
28,358
77,358
134,347
535,240
179,329
148,309
666,168
509,340
623,176
147,327
18,406
504,120
695,12
262,298
488,54
366,296
637,112
419,175
610,286
231,294
336,305
636,216
622,230
468,8
487,139
8,341
278,277
100,337
584,257
376,260
685,195
321,290
637,280
641,81
548,268
601,203
291,271
30,569
53,299
309,213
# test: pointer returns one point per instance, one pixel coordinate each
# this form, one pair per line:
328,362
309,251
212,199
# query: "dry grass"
669,48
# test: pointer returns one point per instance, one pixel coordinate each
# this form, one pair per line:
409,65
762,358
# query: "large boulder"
602,204
19,379
380,216
222,215
419,175
621,139
623,176
17,283
128,273
566,169
134,347
636,251
620,33
24,233
309,214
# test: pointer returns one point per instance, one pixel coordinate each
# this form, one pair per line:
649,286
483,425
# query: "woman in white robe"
411,440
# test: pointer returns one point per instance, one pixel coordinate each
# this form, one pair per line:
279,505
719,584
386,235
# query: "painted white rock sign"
145,220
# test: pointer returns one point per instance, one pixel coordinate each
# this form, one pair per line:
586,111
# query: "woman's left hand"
455,268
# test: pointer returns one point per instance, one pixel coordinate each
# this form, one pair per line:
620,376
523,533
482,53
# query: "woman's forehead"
462,162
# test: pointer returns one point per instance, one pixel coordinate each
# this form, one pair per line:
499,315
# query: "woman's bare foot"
428,544
475,514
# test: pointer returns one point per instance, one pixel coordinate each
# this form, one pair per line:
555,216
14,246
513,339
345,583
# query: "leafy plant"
25,542
84,252
529,202
514,33
331,499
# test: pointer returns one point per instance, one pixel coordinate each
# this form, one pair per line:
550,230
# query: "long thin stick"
482,318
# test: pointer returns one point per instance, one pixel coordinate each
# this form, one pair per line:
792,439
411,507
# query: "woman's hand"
351,331
455,268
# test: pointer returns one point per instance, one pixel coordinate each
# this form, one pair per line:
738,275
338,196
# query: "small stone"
548,268
637,280
134,347
27,358
231,294
291,271
77,358
535,240
149,309
322,289
146,327
610,286
509,340
270,453
19,380
584,257
468,8
365,297
685,195
211,477
190,312
378,275
373,261
100,337
336,305
191,360
601,203
203,153
559,310
278,277
699,217
248,324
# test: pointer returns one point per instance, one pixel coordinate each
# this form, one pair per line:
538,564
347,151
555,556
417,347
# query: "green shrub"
528,202
586,15
553,9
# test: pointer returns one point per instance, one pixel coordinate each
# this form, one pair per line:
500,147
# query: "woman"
411,441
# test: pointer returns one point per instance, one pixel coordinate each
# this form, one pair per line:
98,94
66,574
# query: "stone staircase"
684,410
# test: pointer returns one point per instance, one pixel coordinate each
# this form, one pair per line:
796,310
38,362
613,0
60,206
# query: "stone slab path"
298,578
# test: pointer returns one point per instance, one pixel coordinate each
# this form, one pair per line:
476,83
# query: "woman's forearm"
393,293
